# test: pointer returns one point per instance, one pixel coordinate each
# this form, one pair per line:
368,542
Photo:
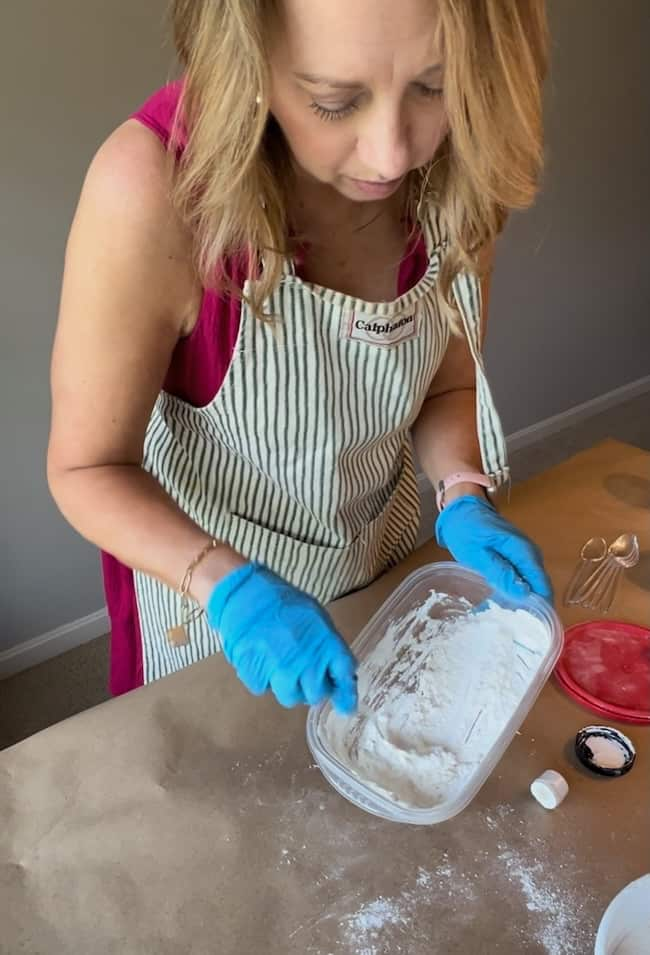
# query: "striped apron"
303,460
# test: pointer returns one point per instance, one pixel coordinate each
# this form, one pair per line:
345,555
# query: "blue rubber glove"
481,539
278,638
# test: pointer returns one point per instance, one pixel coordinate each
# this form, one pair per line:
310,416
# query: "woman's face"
356,89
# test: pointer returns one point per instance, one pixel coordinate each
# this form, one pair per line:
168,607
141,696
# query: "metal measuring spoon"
598,579
625,559
600,588
593,552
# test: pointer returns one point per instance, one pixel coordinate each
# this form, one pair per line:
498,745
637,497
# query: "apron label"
378,330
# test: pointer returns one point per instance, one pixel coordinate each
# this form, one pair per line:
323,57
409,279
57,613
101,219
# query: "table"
188,817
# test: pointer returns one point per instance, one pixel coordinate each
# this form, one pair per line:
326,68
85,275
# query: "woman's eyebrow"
316,80
434,68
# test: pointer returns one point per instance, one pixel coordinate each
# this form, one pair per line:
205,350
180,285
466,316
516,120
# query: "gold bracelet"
178,636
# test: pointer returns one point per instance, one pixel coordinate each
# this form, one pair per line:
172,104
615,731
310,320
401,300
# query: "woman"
276,277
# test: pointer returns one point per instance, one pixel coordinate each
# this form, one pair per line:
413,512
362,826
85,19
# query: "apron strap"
466,290
434,234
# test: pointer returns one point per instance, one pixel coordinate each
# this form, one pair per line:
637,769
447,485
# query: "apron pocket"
328,572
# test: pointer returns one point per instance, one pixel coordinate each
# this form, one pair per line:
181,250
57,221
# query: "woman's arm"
446,441
128,294
444,434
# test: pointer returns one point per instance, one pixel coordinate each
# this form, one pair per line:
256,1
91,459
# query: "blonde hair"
230,182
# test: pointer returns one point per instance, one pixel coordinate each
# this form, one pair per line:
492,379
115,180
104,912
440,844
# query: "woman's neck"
317,208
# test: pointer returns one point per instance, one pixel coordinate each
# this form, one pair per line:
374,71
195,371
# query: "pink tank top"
197,369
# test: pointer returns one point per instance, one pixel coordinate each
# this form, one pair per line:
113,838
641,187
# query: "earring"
258,99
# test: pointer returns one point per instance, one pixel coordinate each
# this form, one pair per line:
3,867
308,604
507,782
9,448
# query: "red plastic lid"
605,665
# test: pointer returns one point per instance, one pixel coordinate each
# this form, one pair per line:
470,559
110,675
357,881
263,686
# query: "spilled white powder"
436,693
372,919
388,925
557,912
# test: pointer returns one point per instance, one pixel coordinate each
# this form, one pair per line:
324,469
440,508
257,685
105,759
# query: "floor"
77,680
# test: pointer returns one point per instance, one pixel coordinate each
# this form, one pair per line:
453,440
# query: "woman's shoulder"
125,218
134,161
159,113
131,174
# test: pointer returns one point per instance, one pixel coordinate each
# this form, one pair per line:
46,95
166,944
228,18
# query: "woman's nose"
383,145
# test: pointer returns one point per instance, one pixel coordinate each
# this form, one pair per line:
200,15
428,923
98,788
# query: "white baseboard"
49,645
72,635
573,416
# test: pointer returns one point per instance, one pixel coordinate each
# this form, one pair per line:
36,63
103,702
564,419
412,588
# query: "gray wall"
69,72
570,302
571,298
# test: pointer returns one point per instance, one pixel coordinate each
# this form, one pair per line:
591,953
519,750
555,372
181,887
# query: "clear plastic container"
467,592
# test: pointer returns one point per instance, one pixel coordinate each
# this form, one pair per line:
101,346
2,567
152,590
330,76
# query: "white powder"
387,925
558,913
372,919
440,686
607,753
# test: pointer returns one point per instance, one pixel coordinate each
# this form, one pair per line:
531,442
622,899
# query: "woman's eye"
429,92
323,112
329,113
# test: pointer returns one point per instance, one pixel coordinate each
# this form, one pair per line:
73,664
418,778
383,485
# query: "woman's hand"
481,539
279,638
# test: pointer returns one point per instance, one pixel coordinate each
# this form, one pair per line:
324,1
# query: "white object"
445,680
549,789
608,753
625,926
